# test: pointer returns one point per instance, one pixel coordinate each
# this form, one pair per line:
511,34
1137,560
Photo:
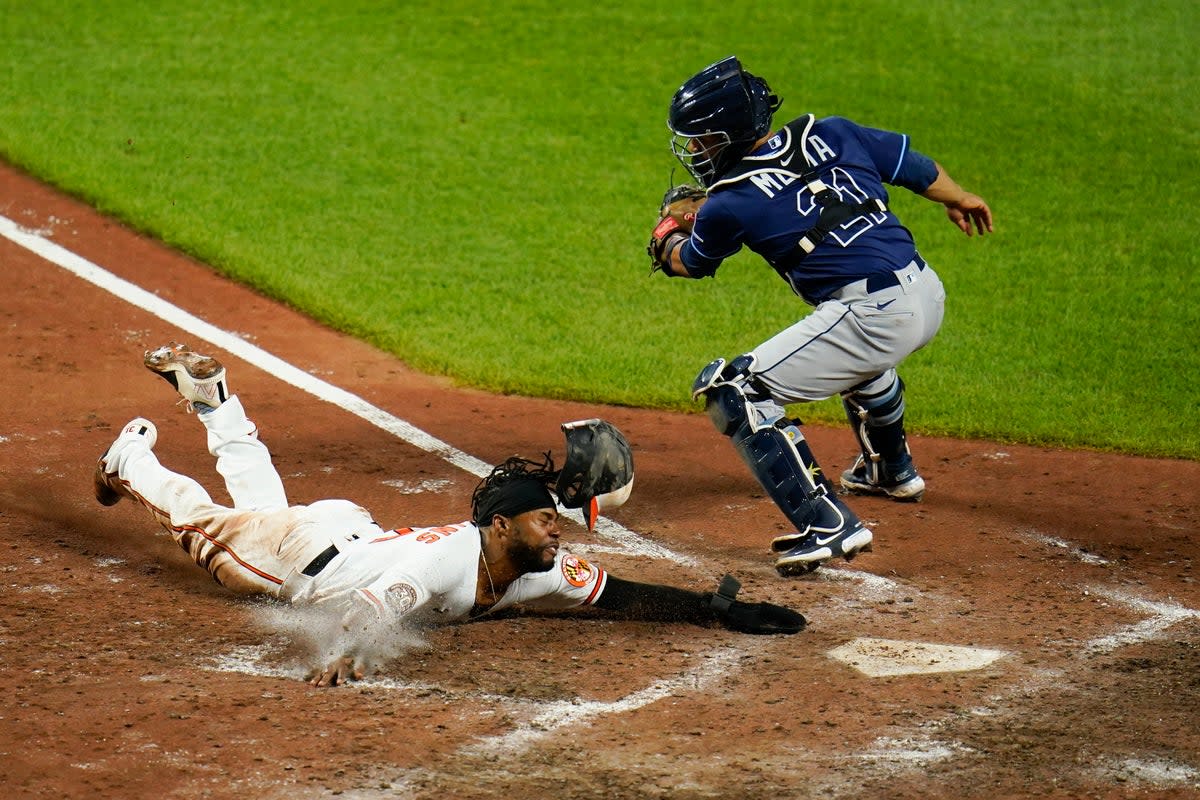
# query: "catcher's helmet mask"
716,116
598,471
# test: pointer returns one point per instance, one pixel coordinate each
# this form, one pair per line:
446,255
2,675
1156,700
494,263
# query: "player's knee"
726,407
879,401
729,391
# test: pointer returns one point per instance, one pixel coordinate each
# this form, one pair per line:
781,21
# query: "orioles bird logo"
577,571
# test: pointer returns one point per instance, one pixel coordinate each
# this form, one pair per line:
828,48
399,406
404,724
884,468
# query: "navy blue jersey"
765,204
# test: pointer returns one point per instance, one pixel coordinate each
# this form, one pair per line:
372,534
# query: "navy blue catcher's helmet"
598,472
716,117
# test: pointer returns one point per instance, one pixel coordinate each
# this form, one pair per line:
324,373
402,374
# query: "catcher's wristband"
673,241
666,237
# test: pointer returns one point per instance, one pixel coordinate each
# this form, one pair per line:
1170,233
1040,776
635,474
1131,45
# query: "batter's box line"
1161,617
715,664
1062,544
544,717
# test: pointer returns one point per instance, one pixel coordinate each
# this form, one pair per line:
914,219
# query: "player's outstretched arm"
656,603
968,211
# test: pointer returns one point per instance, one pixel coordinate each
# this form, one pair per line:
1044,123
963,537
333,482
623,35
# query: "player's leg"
780,459
248,552
130,470
261,542
895,322
850,347
136,439
242,460
875,409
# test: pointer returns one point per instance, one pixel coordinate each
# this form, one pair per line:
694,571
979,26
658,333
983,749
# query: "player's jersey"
429,575
765,205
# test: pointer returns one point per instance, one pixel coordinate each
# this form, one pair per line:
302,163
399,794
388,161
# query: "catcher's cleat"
902,484
199,379
108,486
816,548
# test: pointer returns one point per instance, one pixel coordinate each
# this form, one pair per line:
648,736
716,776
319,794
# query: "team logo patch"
401,598
577,571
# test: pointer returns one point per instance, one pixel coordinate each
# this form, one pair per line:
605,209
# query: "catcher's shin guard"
875,410
778,457
783,463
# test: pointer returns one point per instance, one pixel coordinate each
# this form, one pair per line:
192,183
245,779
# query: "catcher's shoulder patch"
577,571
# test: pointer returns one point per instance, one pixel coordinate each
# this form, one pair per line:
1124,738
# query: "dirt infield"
1070,575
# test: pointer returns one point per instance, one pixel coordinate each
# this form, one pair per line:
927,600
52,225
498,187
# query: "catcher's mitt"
682,202
676,216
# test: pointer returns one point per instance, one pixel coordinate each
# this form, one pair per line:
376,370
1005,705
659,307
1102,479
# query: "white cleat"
907,486
199,379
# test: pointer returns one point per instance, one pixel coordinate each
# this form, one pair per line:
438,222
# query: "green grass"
472,189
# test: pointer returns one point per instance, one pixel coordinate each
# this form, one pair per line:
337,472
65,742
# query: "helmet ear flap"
597,474
763,101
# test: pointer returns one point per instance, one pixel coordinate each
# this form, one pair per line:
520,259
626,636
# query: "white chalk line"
1155,772
543,718
1062,544
278,368
1160,616
714,665
911,752
553,716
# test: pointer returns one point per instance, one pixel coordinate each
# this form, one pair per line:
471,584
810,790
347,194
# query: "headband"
514,498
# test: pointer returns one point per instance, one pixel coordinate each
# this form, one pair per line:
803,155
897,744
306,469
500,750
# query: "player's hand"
761,618
343,670
970,214
766,618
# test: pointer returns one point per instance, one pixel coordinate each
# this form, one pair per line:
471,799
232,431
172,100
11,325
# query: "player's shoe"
818,547
899,483
199,379
107,485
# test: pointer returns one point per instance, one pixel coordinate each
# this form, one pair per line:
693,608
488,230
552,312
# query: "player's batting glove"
765,618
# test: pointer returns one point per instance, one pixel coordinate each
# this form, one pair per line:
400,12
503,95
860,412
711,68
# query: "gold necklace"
488,571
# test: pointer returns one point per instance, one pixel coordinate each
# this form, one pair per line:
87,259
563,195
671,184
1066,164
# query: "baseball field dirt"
1032,629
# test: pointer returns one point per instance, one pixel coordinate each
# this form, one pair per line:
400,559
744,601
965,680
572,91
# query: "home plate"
879,657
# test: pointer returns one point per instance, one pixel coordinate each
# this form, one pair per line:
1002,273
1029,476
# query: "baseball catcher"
331,554
809,197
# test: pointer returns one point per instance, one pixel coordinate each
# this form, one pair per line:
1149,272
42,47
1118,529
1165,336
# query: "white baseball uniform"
331,553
